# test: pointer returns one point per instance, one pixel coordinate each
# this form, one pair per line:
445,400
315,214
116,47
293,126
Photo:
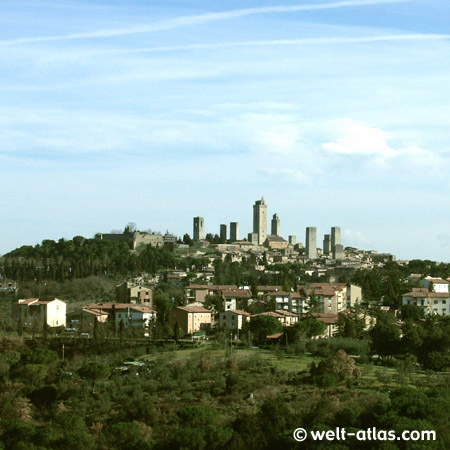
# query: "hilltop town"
142,340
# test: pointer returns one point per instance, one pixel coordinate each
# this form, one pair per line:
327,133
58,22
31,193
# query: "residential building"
34,314
198,292
233,319
290,318
129,292
437,303
330,298
331,321
234,299
435,284
191,318
134,317
83,320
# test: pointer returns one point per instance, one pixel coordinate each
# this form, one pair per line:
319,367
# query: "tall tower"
199,228
275,225
234,231
311,242
326,244
335,237
260,220
223,232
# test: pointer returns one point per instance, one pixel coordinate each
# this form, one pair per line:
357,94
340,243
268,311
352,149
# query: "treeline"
81,258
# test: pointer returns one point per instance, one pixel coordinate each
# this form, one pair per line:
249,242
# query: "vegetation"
199,398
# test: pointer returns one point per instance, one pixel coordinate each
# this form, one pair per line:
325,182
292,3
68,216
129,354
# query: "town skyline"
336,111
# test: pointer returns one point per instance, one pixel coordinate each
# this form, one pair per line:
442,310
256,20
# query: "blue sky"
337,112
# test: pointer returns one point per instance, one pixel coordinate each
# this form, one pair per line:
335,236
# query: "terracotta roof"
424,293
240,293
276,335
239,311
197,286
327,318
28,301
194,309
95,312
282,293
269,288
223,287
286,313
117,306
268,313
437,280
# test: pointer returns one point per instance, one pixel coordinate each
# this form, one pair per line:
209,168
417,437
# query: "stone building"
260,220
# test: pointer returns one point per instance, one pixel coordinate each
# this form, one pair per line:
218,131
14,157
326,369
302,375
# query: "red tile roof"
194,309
286,313
327,318
239,311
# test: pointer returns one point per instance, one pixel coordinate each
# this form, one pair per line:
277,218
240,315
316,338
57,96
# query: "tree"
94,372
385,335
413,312
351,324
310,327
263,325
340,365
177,331
130,228
163,305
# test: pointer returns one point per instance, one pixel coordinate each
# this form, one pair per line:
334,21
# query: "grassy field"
374,377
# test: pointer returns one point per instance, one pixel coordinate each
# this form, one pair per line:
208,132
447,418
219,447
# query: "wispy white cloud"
294,42
199,19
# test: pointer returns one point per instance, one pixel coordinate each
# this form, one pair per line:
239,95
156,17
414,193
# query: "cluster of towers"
331,242
199,230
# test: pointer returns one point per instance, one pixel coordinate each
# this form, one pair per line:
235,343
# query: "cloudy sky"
337,112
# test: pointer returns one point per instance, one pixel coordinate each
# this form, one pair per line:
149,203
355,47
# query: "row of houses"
34,314
331,298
